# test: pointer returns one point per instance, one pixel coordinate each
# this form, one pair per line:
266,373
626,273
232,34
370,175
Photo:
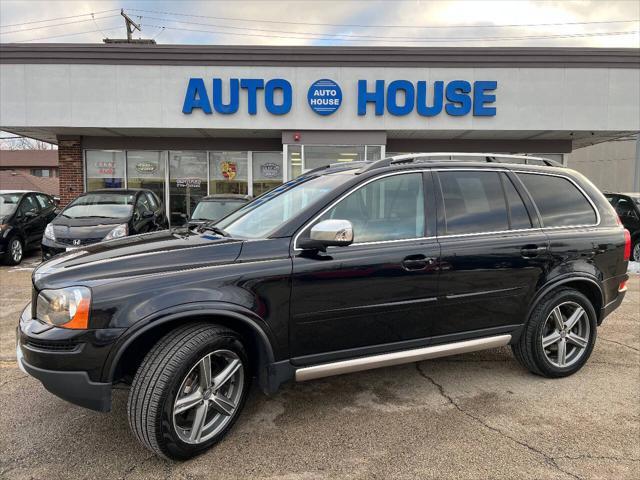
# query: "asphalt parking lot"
471,416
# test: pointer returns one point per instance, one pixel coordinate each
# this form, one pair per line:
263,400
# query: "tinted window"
28,204
153,202
391,208
518,215
473,202
44,201
559,201
142,205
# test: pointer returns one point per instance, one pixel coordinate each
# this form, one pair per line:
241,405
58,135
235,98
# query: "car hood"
136,255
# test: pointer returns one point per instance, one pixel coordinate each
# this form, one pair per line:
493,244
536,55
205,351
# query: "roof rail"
479,157
342,165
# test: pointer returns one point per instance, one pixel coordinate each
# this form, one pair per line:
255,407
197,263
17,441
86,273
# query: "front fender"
232,313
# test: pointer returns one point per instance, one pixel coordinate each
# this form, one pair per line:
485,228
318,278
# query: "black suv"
345,268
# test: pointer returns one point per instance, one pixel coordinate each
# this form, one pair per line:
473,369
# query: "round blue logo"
324,96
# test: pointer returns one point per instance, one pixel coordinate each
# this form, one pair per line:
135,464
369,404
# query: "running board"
397,358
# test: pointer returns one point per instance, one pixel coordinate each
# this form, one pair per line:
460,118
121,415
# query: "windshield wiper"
212,228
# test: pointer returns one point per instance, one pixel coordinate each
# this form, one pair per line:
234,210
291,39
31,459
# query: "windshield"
268,212
216,209
100,205
8,203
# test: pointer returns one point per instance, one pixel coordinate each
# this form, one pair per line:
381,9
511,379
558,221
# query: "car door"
29,219
493,252
143,215
381,288
47,208
628,214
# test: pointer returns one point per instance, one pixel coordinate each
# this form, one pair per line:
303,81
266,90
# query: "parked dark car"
627,206
214,207
343,269
23,217
103,215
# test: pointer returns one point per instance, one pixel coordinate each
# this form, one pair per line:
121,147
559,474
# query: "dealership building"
187,121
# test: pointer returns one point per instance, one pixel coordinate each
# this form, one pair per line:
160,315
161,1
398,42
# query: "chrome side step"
397,358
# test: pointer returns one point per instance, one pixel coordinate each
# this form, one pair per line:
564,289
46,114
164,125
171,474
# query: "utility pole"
131,27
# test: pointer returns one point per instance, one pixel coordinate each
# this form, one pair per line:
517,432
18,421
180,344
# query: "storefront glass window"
320,155
145,169
229,172
267,171
187,183
294,160
374,152
105,169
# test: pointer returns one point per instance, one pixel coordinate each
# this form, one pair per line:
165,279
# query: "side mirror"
328,233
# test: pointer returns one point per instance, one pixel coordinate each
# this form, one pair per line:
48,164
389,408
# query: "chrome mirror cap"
329,233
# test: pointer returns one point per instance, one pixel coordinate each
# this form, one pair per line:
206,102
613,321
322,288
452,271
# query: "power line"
346,35
68,34
57,24
377,26
425,40
59,18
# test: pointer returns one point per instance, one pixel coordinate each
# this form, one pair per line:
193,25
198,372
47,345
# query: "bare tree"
24,143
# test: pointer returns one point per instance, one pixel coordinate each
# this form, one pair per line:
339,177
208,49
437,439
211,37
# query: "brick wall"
70,168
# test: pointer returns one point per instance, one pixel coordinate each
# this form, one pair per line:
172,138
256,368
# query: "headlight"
118,232
64,307
49,233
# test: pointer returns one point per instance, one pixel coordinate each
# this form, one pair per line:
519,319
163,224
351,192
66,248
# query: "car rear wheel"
559,336
189,391
635,253
15,252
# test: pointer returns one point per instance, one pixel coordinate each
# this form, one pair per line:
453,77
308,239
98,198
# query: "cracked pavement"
478,415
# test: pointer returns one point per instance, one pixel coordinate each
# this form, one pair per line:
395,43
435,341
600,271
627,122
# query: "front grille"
83,241
52,346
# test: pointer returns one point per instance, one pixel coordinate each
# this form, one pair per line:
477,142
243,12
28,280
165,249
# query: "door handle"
529,251
416,262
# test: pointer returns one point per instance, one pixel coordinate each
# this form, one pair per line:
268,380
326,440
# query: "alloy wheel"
208,396
566,334
636,252
16,251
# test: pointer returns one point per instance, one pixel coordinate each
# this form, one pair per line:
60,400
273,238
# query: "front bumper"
67,362
51,249
74,387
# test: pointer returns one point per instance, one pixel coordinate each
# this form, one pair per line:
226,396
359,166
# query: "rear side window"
559,201
474,202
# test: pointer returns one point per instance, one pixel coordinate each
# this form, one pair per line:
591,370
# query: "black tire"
163,372
635,250
529,350
9,256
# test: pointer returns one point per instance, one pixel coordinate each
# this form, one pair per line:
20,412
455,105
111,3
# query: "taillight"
627,245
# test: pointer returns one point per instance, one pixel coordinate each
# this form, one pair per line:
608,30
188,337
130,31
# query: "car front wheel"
559,336
189,391
635,254
15,252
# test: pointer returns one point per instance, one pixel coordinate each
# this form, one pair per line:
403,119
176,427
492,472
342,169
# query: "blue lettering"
269,90
421,102
365,97
480,98
457,94
392,97
218,105
196,97
252,85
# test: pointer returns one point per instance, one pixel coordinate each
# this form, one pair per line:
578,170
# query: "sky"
330,22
